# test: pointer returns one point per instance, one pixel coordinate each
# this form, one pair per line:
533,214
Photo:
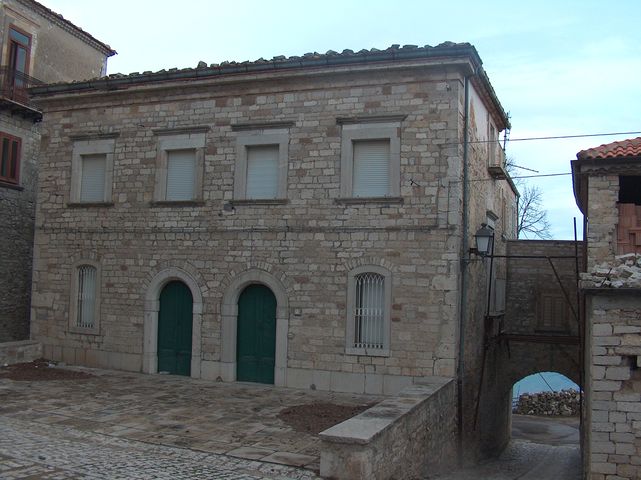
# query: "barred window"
369,298
369,311
86,307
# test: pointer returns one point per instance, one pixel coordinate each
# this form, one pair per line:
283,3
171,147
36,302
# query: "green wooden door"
256,335
174,329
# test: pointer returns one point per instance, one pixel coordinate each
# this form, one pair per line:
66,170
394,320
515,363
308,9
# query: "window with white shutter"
92,165
370,160
370,176
181,174
92,183
180,165
369,297
260,174
262,171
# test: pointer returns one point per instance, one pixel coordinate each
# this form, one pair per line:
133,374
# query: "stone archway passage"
256,336
175,329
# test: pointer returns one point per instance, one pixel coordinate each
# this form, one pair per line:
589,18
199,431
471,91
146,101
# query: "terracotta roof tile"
625,148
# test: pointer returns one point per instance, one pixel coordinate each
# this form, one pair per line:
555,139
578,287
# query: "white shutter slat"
181,174
92,183
371,168
262,172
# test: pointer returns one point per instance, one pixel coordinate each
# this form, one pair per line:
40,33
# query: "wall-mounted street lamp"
484,240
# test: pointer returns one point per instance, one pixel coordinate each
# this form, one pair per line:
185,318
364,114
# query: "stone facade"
57,51
612,411
305,243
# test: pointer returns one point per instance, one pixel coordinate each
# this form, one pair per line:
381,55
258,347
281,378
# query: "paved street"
541,449
127,425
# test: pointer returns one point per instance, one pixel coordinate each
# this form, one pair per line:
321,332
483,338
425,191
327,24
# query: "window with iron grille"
368,316
369,310
10,158
86,297
84,315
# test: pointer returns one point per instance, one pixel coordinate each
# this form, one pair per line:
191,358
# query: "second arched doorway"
256,335
175,329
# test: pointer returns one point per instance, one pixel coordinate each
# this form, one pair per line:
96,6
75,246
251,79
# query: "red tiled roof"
622,149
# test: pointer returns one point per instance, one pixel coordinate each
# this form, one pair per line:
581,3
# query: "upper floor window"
369,295
9,158
180,165
261,165
92,171
370,159
19,52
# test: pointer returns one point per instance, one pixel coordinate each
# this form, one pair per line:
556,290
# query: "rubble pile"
564,403
623,272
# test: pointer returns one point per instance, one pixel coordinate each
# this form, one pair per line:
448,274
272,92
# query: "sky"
558,67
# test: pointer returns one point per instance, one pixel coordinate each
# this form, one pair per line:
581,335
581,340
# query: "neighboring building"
37,46
302,221
607,187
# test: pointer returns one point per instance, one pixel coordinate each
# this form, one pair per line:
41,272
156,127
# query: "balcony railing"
14,86
496,160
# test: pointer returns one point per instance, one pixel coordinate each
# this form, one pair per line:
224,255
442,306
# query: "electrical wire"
556,137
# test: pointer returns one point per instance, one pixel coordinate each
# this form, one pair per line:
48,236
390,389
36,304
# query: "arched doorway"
256,335
175,329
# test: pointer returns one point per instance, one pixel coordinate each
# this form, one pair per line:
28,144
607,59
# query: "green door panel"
174,329
256,335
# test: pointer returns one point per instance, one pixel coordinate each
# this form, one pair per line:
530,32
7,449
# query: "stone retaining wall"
18,352
406,436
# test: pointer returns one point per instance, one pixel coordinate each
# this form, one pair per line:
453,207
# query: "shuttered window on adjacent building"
86,302
92,182
369,311
181,174
370,176
262,172
10,159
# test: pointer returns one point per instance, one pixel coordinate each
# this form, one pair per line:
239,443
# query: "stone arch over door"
229,323
152,307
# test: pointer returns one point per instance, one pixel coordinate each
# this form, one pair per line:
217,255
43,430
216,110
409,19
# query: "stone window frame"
73,298
350,327
91,146
370,128
261,137
179,139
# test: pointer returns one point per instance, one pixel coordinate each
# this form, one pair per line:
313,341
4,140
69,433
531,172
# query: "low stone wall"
407,436
18,352
564,403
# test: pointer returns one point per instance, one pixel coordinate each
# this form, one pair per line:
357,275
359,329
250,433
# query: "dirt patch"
40,370
316,417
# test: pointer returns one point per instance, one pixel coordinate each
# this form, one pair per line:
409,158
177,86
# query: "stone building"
37,46
607,187
302,221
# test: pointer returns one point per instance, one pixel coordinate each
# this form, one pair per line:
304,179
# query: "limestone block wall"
308,241
613,407
603,215
411,435
17,211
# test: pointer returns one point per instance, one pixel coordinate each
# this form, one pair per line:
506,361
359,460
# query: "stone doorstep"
368,425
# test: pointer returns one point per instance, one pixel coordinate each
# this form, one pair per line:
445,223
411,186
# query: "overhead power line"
557,137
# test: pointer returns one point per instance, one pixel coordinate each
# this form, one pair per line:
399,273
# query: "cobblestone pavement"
55,452
129,425
524,460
